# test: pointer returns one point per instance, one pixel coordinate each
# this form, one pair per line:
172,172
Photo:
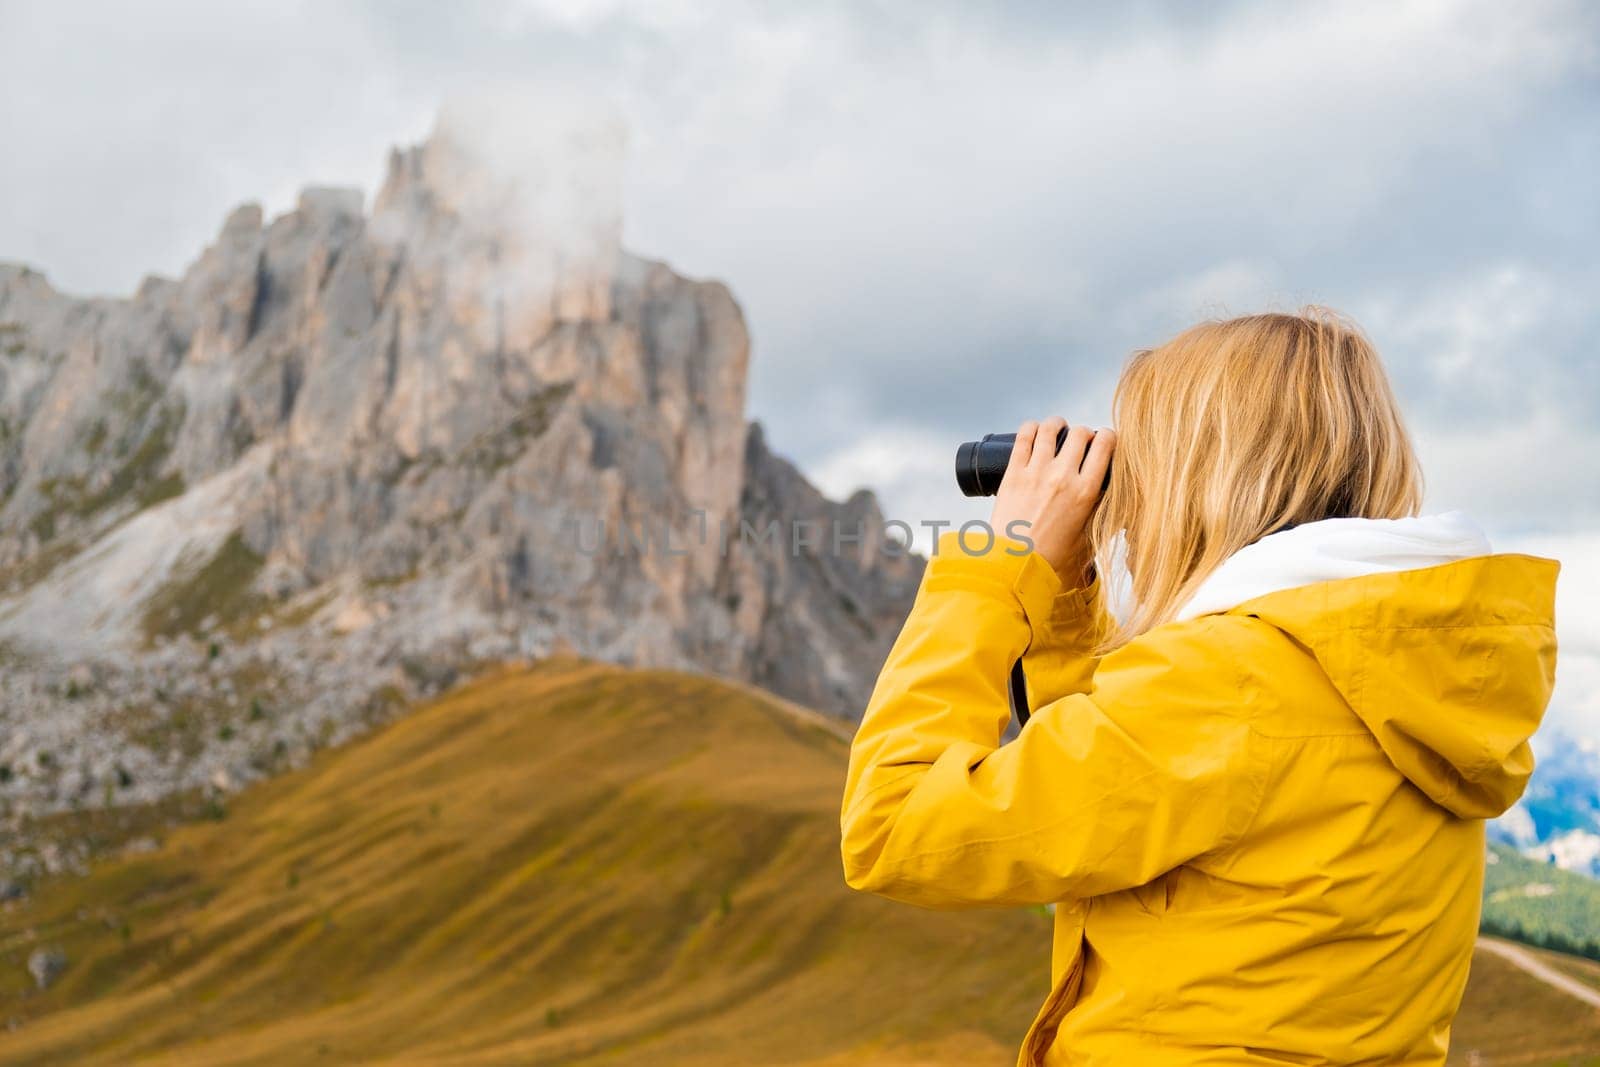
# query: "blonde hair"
1234,429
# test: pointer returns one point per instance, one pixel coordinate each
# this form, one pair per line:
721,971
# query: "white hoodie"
1330,549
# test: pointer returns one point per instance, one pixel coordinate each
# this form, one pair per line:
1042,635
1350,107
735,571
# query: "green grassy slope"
571,864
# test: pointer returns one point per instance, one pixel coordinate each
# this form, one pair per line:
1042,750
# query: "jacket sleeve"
1058,660
1102,790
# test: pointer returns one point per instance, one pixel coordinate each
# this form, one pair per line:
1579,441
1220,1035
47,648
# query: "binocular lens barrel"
981,464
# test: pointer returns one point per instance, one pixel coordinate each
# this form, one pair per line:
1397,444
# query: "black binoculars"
981,464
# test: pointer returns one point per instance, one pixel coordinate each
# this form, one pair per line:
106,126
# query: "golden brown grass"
1510,1018
569,864
1585,971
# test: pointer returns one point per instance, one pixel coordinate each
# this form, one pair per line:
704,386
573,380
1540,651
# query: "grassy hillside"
1584,970
571,864
1540,904
1510,1018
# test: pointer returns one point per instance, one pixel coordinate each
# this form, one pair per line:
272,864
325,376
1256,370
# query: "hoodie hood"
1445,651
1333,549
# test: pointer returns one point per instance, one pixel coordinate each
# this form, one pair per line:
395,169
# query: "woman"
1257,803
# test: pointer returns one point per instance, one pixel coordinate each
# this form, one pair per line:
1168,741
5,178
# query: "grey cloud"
939,216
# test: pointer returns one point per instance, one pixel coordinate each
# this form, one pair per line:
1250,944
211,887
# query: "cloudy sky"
942,217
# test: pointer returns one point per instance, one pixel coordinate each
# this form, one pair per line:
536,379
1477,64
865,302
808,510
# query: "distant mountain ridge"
246,512
1557,821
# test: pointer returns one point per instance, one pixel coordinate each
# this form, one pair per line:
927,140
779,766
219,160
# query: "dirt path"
1521,957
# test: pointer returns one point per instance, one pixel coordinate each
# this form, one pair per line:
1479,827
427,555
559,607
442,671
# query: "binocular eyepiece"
981,464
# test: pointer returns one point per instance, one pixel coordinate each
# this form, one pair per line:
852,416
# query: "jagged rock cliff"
347,456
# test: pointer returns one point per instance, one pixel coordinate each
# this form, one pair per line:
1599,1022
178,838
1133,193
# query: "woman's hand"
1050,495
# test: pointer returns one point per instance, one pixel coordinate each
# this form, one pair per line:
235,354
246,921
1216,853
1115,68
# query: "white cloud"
1575,707
912,470
1528,470
1220,290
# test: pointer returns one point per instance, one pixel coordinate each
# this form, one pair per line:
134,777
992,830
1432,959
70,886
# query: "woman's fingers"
1098,459
1022,447
1072,449
1053,497
1044,448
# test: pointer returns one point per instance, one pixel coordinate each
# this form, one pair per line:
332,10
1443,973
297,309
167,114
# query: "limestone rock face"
347,456
815,585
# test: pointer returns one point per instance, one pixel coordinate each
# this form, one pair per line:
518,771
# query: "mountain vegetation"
1541,904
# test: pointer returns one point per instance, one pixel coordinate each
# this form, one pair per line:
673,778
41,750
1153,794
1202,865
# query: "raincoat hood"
1445,651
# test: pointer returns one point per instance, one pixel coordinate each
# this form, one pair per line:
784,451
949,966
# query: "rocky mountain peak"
347,456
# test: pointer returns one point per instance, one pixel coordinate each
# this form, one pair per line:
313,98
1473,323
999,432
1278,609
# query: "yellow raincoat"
1261,828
